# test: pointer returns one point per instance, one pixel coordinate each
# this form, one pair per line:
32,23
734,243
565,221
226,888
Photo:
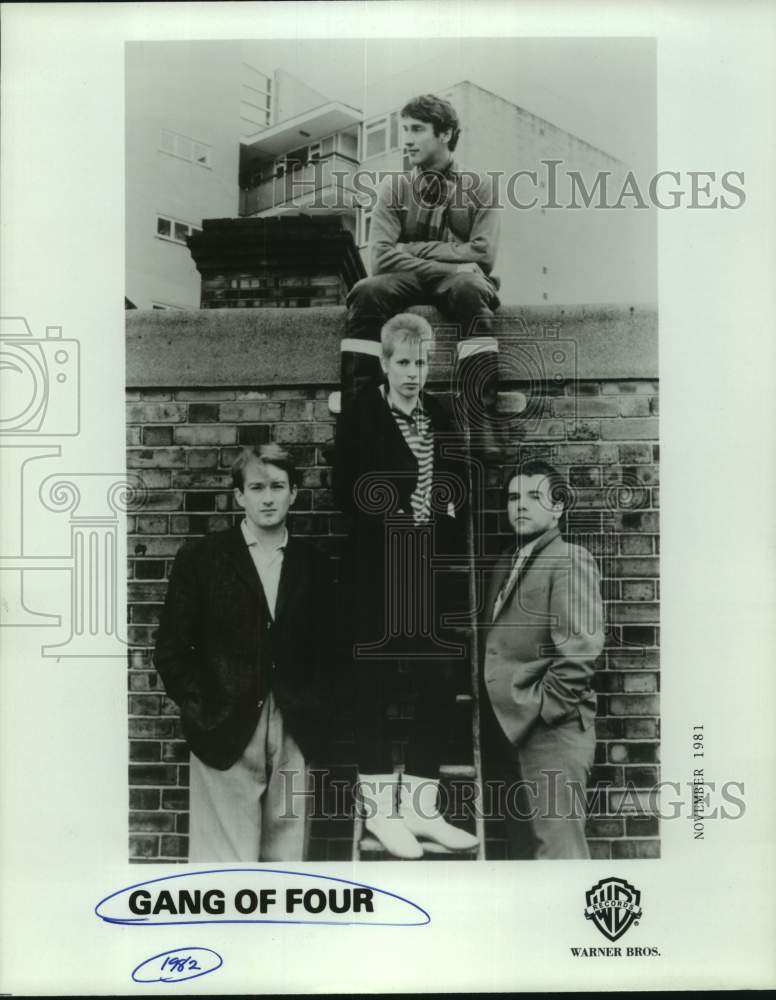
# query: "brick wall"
601,432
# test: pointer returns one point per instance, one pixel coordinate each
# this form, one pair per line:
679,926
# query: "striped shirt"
419,435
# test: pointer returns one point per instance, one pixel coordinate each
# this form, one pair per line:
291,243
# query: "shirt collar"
527,549
450,170
416,411
412,416
251,539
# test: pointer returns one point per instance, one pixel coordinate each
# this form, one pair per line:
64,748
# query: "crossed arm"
433,258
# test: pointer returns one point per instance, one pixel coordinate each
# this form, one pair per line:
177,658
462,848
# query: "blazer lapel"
500,577
290,579
237,550
401,457
541,542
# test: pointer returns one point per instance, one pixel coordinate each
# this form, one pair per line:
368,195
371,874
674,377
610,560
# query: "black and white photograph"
392,339
386,461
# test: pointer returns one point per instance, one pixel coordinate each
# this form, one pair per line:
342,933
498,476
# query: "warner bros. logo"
613,905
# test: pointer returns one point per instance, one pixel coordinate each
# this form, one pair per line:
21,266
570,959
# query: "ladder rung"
429,847
370,845
457,771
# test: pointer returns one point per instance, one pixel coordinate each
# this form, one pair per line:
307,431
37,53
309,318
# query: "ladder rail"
474,654
360,834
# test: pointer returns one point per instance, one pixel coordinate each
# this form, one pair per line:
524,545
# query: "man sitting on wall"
433,239
243,647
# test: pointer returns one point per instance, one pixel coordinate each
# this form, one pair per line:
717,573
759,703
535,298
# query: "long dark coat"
408,587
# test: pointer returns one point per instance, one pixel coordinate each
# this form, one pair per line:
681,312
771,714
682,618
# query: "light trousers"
258,809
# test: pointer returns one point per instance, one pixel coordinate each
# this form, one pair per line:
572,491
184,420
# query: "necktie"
501,596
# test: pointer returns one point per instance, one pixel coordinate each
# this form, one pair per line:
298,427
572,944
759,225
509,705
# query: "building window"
255,101
375,137
395,130
347,145
202,154
175,144
297,158
174,230
259,174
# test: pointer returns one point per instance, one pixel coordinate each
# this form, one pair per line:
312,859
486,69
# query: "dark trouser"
541,784
465,299
403,655
381,687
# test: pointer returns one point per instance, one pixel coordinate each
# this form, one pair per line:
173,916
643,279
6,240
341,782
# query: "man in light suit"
544,632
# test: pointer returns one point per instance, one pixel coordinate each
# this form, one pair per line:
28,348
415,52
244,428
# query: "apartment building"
213,132
189,111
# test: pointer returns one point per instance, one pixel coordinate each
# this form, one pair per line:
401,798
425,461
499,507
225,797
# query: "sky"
601,90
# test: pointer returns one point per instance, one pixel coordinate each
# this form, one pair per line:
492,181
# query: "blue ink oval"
237,895
176,965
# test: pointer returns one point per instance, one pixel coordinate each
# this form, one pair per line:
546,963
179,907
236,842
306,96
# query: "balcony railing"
301,185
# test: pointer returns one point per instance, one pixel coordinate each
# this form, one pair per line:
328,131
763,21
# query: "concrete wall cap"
276,346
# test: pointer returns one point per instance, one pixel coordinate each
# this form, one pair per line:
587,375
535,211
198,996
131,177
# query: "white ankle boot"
377,802
418,808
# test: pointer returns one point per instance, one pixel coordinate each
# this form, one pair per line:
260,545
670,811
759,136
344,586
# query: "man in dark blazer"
544,626
243,648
